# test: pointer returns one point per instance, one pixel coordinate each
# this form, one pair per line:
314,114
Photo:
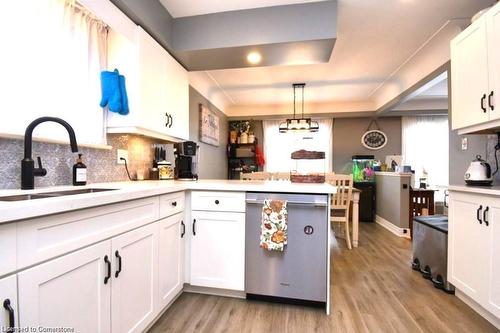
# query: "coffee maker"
186,160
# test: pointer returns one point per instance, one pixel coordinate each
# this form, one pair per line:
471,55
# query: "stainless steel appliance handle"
291,203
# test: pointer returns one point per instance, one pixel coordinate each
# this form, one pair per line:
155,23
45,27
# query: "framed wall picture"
209,126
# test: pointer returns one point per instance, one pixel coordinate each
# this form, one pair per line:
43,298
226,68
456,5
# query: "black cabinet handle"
490,102
217,202
183,232
174,203
482,103
108,264
10,310
194,227
478,214
485,214
171,121
119,257
168,120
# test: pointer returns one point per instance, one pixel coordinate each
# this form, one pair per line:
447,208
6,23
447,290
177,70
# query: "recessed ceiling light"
254,58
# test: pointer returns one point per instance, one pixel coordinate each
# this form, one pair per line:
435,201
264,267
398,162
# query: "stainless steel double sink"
55,194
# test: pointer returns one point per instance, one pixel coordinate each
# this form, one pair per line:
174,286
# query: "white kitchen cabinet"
8,298
171,257
474,248
134,287
8,251
157,87
218,250
70,291
475,75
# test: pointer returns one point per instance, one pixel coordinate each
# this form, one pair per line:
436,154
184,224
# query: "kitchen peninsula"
132,234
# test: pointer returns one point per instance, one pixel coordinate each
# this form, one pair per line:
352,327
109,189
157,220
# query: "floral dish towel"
273,235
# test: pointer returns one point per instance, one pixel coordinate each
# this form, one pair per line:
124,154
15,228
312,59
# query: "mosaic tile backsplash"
59,160
490,155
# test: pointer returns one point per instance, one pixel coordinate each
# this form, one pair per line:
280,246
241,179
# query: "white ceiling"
181,8
374,39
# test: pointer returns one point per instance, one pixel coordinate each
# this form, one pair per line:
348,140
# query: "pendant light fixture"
298,124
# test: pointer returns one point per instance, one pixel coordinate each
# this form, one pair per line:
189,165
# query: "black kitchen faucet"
28,170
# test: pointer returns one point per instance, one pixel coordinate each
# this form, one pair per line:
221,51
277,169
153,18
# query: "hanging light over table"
298,124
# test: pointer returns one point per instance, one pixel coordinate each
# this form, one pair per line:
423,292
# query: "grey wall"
347,134
213,160
392,200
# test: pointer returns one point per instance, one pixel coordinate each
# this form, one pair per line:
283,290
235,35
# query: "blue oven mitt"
110,88
123,93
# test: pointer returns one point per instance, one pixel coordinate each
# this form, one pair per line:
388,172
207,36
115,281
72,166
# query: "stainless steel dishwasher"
299,273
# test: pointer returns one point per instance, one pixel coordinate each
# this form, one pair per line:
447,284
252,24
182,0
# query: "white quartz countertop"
490,190
19,210
393,174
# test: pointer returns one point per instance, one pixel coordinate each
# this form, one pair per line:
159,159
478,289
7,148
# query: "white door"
469,77
170,259
71,291
468,246
218,250
8,299
134,292
493,219
493,26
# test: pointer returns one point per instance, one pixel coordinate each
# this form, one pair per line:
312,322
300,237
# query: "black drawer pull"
482,103
217,202
171,121
485,214
183,232
174,203
10,310
478,214
490,103
108,264
194,227
119,257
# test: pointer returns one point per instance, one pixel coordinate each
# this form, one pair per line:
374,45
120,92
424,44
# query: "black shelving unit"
238,162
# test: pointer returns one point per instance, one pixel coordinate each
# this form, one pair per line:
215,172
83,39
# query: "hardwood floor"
373,290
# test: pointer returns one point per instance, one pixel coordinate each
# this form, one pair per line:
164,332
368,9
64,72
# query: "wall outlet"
465,143
121,153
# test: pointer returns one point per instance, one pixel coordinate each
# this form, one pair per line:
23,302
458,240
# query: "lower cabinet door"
8,302
493,218
171,254
468,246
218,250
134,293
71,291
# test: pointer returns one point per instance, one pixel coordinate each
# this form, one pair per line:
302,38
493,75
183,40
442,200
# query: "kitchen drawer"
171,204
43,238
218,201
7,248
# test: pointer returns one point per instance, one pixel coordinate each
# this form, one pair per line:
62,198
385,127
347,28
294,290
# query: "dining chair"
329,177
341,202
281,175
260,175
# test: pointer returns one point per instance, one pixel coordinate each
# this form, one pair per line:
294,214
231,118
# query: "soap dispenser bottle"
79,172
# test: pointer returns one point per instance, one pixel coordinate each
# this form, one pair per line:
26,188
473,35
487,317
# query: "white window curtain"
279,146
425,147
56,50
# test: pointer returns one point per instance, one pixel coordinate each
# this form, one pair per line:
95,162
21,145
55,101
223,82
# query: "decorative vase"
251,138
244,138
233,135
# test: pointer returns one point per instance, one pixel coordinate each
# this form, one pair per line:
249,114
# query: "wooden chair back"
344,184
256,176
281,175
329,177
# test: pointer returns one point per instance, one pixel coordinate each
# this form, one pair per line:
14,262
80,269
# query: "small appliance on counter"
479,173
186,160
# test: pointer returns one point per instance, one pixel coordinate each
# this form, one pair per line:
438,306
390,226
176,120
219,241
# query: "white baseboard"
400,232
478,308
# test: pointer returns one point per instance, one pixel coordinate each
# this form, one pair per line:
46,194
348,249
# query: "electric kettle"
478,173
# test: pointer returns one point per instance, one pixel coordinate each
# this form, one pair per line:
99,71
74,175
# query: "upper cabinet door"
493,27
134,292
469,77
70,291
